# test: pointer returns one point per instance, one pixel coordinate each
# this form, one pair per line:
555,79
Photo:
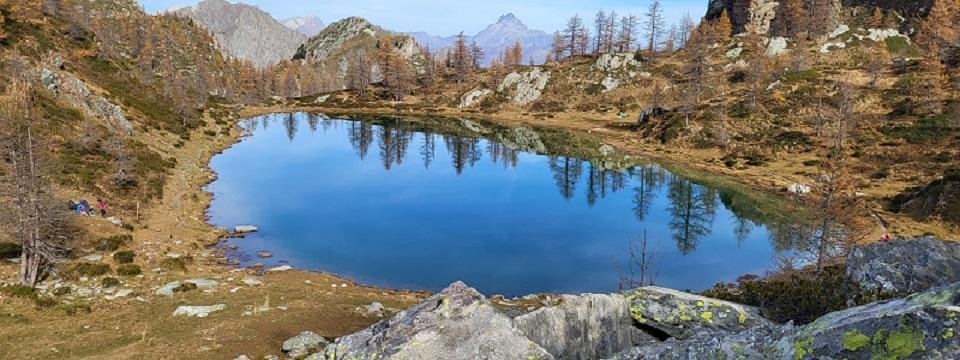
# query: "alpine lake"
417,203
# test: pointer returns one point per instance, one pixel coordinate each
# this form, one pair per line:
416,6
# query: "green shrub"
44,302
109,282
113,243
801,296
925,130
61,291
815,162
73,309
128,270
176,264
10,250
123,257
20,291
90,269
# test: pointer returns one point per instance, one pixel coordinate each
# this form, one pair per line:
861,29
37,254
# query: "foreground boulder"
921,326
905,266
303,344
457,323
759,343
681,315
588,327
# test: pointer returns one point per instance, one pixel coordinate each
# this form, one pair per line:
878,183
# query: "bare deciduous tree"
32,213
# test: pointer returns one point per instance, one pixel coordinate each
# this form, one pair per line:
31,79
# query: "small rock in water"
303,344
245,229
198,311
264,254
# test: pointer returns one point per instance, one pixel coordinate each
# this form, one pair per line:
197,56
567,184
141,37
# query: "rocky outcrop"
904,266
457,323
758,343
587,327
334,49
940,199
650,323
682,316
74,92
524,87
245,32
616,69
921,326
474,97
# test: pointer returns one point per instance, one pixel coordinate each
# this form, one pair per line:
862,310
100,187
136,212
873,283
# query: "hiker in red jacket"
102,205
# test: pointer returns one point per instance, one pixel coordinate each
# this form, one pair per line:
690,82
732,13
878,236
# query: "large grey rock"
198,311
681,315
474,97
303,344
905,266
457,323
759,343
524,87
588,327
921,326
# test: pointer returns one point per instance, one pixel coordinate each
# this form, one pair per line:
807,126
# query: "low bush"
75,308
185,287
123,257
176,264
109,282
113,243
89,270
129,270
10,250
798,296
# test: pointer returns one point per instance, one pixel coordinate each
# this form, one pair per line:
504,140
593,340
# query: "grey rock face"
306,25
246,32
905,265
457,323
473,97
681,315
588,327
75,92
921,326
303,344
759,343
524,87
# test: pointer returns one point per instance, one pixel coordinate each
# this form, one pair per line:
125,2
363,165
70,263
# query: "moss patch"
855,340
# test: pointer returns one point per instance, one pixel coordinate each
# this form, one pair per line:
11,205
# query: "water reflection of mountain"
580,166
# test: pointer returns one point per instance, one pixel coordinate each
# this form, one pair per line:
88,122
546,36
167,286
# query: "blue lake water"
397,205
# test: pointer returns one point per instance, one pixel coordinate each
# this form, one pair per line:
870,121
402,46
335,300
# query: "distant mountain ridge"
307,25
497,37
245,31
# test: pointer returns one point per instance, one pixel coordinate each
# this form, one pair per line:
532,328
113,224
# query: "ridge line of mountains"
246,32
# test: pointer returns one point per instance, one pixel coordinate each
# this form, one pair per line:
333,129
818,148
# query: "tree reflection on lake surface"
420,203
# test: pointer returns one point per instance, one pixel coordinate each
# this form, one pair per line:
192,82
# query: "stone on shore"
681,315
457,323
905,266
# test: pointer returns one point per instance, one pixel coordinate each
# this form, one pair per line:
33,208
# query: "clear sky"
449,17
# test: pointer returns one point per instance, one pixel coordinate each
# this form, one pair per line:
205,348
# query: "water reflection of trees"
691,207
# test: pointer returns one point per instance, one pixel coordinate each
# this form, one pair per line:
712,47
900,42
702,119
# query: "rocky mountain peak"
509,18
245,32
307,25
